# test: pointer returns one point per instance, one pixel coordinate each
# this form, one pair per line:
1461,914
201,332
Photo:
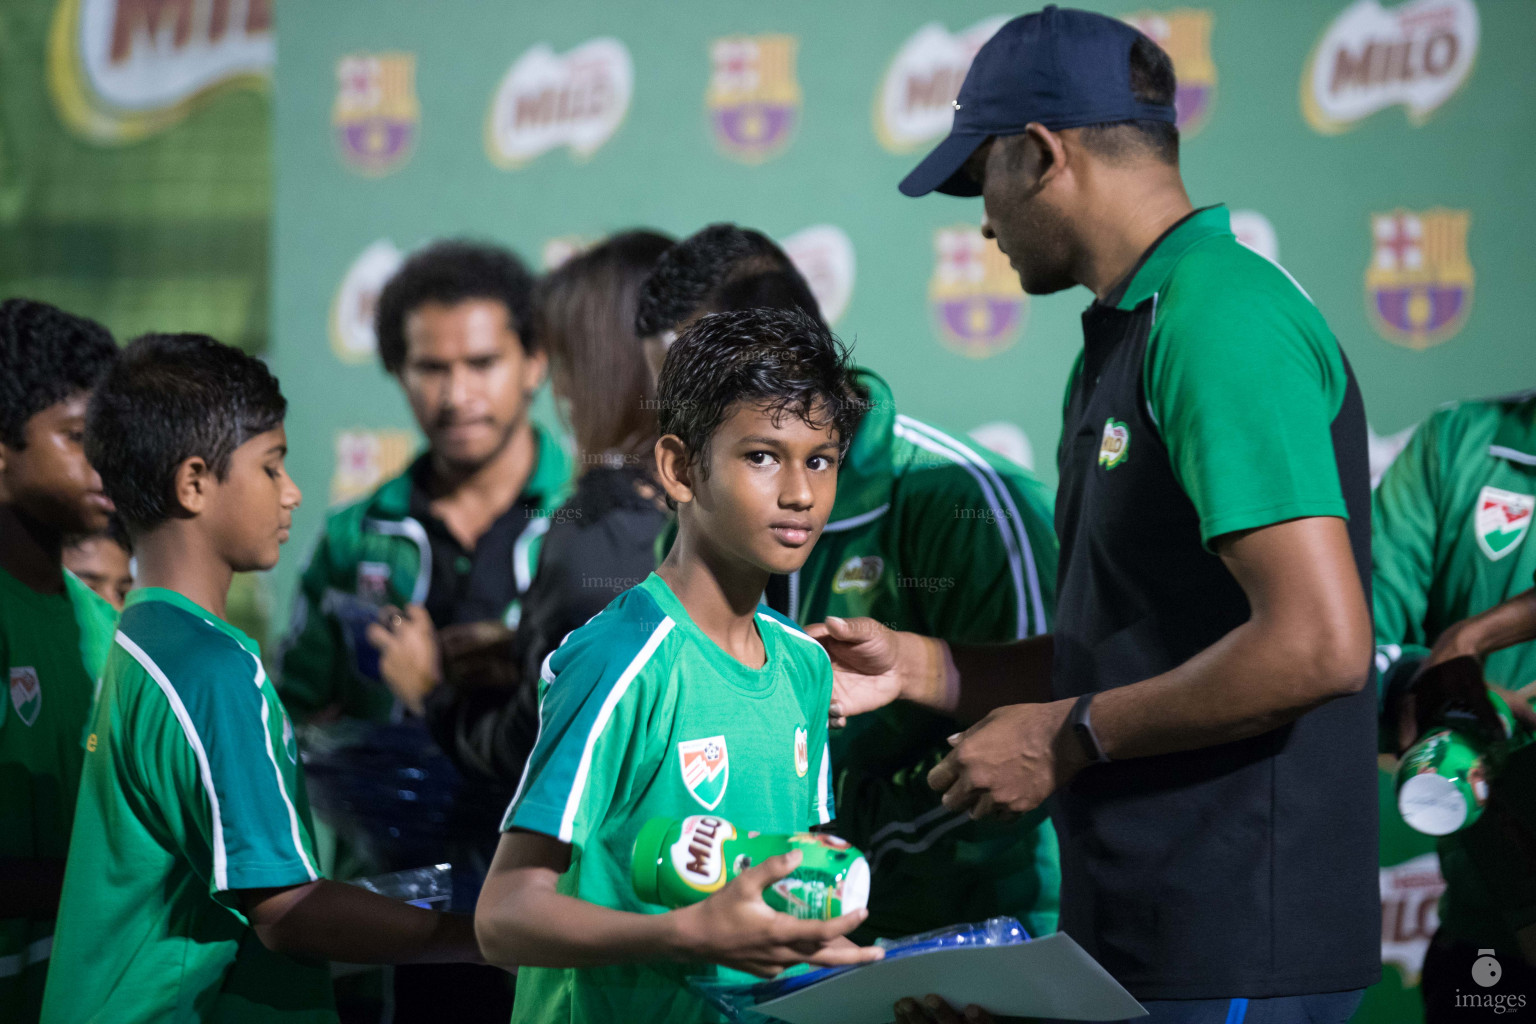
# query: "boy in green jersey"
686,696
931,533
191,892
49,622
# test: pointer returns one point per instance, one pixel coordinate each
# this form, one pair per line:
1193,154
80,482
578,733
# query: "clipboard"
1048,977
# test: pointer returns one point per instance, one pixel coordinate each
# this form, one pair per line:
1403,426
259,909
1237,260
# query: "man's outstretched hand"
1009,762
873,665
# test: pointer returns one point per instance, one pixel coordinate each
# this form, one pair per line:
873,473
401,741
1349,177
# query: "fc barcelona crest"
1501,520
376,112
706,767
1186,36
754,99
977,303
26,694
1419,284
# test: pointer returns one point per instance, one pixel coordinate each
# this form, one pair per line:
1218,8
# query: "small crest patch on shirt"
802,751
1501,520
706,768
1116,444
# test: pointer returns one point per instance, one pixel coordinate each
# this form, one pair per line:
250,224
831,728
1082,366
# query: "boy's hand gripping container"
681,862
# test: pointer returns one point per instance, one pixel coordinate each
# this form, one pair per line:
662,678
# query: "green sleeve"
314,657
217,764
978,551
591,733
1244,385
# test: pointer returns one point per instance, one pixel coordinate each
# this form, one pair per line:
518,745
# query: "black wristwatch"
1078,722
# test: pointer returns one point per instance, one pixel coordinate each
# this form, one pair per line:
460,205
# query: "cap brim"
940,170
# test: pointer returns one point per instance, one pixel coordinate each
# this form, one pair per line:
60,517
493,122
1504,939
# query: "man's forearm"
535,927
1503,625
1247,683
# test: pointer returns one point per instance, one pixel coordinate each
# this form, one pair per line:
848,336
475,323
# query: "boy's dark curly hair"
716,270
46,357
452,272
782,360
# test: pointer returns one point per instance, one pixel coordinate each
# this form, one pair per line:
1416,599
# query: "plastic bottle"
681,862
1442,781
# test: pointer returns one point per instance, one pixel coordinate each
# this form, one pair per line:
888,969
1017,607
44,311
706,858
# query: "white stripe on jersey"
792,631
616,694
824,786
1021,557
220,865
266,729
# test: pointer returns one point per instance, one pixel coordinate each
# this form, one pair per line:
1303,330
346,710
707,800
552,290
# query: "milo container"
1442,781
681,862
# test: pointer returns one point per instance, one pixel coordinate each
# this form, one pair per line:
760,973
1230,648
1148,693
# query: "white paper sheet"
1048,977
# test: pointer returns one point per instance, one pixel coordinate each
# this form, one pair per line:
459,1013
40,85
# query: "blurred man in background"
437,558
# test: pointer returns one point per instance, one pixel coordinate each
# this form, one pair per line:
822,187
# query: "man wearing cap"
1201,709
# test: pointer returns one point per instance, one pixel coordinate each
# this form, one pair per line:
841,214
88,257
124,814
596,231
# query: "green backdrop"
1384,149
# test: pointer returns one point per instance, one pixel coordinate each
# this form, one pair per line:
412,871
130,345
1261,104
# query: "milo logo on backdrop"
352,308
1186,36
753,99
978,306
122,70
548,100
1417,54
914,103
823,253
1410,898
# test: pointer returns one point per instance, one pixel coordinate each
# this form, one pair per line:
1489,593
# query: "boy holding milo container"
686,697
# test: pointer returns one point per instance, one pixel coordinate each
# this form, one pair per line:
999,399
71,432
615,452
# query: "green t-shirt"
1450,539
191,790
1247,426
643,716
50,645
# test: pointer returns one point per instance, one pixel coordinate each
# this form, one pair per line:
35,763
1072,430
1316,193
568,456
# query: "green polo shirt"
191,791
1451,539
1247,426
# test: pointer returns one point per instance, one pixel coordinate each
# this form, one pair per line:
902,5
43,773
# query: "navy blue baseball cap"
1060,68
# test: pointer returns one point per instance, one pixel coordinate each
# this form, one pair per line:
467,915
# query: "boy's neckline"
140,595
755,682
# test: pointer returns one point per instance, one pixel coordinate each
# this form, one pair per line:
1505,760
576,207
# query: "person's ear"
1041,154
674,469
191,485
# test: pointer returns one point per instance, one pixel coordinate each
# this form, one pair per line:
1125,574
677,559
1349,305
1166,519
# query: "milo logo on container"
697,856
